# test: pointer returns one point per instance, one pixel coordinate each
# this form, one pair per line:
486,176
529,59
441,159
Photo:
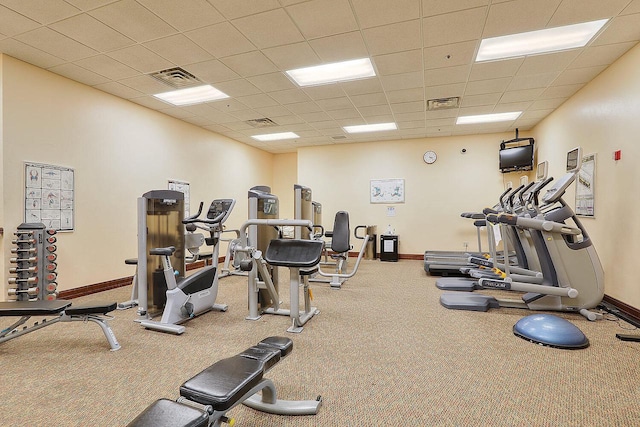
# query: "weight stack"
33,264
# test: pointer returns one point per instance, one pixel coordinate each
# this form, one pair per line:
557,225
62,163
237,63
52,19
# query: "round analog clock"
430,157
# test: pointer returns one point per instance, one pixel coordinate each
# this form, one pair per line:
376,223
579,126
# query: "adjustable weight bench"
60,308
206,398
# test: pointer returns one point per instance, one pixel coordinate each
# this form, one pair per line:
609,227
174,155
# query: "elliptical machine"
196,294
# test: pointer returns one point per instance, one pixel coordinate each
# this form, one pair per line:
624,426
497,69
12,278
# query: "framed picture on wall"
387,191
49,196
585,186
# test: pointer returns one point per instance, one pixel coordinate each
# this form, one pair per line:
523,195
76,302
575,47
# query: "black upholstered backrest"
340,241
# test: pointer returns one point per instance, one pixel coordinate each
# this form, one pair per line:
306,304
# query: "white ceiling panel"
420,49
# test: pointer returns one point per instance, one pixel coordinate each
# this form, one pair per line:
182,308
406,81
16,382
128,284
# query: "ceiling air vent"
176,77
443,103
339,137
261,123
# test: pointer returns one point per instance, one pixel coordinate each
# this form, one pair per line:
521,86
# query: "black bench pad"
32,308
294,252
92,308
167,413
224,382
284,344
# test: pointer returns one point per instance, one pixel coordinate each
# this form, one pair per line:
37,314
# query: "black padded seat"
168,251
340,238
284,344
294,253
92,308
222,384
131,261
269,356
167,413
32,308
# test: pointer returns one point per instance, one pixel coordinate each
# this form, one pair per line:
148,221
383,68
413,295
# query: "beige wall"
435,195
604,117
119,150
285,176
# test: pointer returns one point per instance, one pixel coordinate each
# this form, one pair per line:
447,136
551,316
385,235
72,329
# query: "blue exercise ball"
550,330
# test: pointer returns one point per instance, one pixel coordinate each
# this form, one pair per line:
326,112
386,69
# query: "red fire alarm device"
617,155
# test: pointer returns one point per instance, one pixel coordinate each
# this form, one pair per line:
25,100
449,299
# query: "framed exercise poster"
49,195
185,188
585,196
387,191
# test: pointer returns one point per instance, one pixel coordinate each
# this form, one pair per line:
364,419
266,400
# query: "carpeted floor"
382,351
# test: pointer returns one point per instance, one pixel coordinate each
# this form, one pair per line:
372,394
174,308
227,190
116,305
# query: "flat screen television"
516,158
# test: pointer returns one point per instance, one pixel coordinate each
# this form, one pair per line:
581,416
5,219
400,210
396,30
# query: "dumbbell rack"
33,264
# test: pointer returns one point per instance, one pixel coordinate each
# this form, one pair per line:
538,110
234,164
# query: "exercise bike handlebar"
217,220
355,232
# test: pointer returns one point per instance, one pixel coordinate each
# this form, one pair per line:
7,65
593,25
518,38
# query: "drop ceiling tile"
228,105
249,64
450,55
150,102
42,11
439,114
324,91
521,95
532,81
578,75
233,9
107,67
374,13
212,71
290,96
321,18
79,74
576,11
56,44
272,82
512,106
418,124
273,111
199,121
444,91
133,20
329,126
633,7
221,40
405,95
239,126
140,58
13,23
287,120
340,47
495,69
244,115
314,117
88,4
292,56
447,121
447,75
621,29
346,113
304,107
369,99
29,54
335,103
535,114
237,88
91,32
177,112
561,91
454,27
539,64
601,55
375,110
146,84
119,90
178,49
219,117
362,86
403,81
184,15
393,37
269,29
439,7
408,107
400,62
484,99
258,100
518,16
409,117
545,104
480,87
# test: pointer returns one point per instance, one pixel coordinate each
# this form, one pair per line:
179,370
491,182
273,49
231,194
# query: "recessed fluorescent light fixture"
331,73
540,41
370,128
192,95
275,136
488,118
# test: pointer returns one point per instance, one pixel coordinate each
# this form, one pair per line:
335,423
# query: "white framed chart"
185,188
49,195
585,195
387,191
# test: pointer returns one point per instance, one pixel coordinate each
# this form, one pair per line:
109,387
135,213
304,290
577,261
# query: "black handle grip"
355,232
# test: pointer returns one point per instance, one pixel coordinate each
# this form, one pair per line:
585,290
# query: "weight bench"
208,396
64,311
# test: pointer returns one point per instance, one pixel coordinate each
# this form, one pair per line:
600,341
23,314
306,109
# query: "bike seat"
163,251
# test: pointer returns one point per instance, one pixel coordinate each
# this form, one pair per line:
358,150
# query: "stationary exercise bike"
196,294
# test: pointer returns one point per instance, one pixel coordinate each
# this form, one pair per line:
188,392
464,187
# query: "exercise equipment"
63,312
550,330
196,294
34,264
206,398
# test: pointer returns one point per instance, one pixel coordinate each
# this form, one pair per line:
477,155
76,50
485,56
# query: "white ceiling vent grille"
443,103
338,137
261,123
176,77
